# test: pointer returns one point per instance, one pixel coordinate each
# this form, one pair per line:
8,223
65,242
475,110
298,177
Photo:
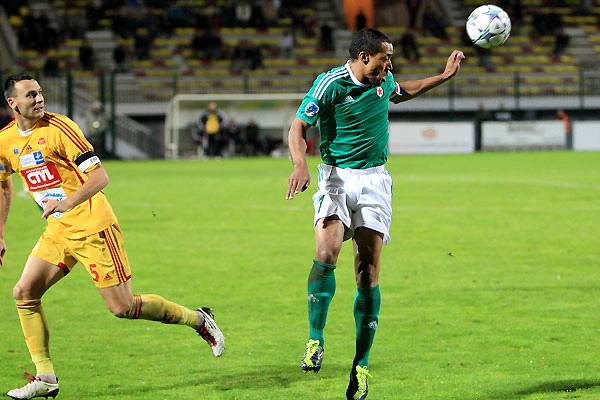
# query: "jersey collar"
352,76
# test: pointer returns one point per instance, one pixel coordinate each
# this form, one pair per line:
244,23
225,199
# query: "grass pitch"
490,285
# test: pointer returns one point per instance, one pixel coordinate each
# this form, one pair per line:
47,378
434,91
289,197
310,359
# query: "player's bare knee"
328,255
22,292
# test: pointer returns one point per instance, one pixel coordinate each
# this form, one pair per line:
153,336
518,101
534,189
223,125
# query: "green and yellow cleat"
312,357
358,387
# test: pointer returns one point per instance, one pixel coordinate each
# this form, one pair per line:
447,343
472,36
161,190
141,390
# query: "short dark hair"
368,40
9,83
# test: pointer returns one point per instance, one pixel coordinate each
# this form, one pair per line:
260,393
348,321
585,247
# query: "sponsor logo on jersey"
27,149
107,277
42,177
348,99
379,91
31,159
311,109
15,151
41,141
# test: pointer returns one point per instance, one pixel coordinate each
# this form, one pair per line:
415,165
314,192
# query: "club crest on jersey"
311,109
31,159
41,141
379,91
42,177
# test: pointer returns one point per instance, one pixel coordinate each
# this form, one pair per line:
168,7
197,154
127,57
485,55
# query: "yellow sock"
157,308
37,335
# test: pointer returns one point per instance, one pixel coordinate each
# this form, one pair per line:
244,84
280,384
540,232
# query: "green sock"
367,303
321,288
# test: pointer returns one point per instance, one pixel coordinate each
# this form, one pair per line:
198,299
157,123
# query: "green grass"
490,285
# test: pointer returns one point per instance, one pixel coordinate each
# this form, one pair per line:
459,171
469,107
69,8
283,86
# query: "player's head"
372,49
24,95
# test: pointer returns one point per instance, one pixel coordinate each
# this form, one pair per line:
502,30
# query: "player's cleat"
210,332
358,388
313,357
34,388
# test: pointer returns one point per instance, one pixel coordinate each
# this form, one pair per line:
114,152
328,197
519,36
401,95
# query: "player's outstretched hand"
453,63
298,181
53,206
2,251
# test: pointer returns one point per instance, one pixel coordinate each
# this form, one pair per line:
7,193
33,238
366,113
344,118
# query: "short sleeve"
73,145
316,100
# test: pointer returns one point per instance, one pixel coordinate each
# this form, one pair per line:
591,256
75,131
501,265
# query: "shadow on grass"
565,386
272,376
260,377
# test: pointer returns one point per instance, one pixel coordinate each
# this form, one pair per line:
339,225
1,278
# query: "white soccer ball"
488,26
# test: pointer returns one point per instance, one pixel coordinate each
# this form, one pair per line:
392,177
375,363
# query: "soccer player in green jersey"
354,194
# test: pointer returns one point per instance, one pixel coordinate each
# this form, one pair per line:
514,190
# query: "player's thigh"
103,256
48,262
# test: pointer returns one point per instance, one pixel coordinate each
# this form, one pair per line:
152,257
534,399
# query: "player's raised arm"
414,88
97,180
5,198
300,178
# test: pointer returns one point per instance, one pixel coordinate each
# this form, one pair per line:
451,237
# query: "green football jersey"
352,117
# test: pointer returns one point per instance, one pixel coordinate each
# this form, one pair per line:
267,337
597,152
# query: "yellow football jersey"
52,159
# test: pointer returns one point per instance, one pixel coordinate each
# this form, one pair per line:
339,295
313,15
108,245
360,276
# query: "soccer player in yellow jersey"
64,176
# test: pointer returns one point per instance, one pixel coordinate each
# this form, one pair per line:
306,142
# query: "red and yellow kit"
52,159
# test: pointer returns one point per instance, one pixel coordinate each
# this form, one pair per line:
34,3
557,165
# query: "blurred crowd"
40,29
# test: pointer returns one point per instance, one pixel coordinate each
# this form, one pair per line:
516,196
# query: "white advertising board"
431,137
523,134
586,135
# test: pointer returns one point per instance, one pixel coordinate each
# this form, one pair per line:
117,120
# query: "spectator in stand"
270,11
361,21
210,125
434,23
243,13
413,7
96,125
561,42
6,116
410,51
246,55
120,58
51,67
286,45
142,42
327,38
252,139
231,138
86,56
200,45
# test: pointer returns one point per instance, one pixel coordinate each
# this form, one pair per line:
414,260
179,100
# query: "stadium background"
490,285
135,56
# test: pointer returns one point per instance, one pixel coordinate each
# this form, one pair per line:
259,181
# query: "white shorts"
359,197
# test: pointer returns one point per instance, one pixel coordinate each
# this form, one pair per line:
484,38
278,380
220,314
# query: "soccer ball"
488,26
